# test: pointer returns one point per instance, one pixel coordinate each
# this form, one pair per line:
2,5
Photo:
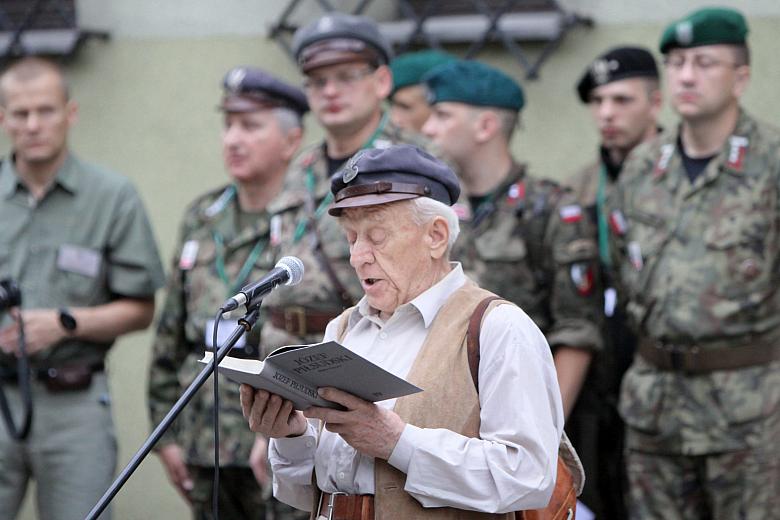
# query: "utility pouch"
67,378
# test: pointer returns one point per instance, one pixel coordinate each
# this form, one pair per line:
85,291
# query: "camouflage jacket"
531,243
194,293
699,266
310,233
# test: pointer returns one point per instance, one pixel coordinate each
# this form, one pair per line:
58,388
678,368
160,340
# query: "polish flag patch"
571,214
618,222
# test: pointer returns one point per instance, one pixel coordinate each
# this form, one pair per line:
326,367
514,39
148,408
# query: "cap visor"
368,200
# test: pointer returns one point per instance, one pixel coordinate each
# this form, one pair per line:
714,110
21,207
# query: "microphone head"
294,267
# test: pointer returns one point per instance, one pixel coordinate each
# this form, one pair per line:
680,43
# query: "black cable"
25,389
215,489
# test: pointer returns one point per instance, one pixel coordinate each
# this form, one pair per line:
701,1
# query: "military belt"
340,506
300,321
60,379
694,359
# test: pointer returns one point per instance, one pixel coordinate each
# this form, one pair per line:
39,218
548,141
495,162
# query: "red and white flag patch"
571,213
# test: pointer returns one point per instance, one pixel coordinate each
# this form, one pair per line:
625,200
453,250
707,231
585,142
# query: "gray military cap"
340,38
399,172
248,89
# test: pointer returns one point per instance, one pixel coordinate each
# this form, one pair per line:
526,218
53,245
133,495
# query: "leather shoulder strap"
472,337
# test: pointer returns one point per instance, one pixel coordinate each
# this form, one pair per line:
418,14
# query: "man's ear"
438,236
743,80
486,125
384,81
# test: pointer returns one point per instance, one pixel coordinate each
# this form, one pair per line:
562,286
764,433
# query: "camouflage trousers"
742,485
240,497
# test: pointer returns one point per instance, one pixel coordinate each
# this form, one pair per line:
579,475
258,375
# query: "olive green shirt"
87,242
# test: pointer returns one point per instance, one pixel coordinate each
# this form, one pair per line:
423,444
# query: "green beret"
705,27
409,69
473,83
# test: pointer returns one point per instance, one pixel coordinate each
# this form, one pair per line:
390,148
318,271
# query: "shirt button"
341,475
309,443
383,335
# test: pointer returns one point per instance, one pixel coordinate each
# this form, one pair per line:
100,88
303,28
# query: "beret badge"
684,32
602,69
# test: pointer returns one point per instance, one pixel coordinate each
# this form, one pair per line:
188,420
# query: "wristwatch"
67,320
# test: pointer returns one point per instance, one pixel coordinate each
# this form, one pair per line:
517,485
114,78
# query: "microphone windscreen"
294,266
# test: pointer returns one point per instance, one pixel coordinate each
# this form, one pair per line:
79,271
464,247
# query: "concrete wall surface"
148,109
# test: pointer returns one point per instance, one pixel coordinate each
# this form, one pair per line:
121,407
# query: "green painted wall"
148,111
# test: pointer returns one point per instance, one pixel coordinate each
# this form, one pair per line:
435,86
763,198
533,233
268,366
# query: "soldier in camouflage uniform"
227,239
344,59
621,88
524,238
696,230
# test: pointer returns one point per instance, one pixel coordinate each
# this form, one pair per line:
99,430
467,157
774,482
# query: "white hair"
287,118
425,209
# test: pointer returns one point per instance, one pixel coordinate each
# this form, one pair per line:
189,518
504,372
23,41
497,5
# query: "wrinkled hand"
172,458
42,329
368,428
258,461
270,415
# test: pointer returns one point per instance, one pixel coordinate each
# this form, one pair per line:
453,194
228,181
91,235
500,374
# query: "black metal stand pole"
244,324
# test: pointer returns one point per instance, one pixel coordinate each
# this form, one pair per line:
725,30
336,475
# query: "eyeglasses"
342,79
699,62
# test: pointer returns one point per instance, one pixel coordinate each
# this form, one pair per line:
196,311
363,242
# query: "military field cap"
709,26
248,89
339,38
409,69
473,83
616,64
377,176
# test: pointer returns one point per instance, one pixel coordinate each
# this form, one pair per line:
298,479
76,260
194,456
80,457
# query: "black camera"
10,295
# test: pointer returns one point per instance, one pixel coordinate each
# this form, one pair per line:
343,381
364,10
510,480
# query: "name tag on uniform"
226,328
79,260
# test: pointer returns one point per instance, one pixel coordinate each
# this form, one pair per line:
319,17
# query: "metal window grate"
41,27
435,23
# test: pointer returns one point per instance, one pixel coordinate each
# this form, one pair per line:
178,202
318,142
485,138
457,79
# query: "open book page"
298,371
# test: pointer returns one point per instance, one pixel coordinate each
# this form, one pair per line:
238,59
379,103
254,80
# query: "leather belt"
696,360
59,379
300,321
340,506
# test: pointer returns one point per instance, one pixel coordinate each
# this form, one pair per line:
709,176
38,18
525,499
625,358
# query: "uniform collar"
10,182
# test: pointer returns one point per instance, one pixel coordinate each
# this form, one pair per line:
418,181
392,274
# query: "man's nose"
360,253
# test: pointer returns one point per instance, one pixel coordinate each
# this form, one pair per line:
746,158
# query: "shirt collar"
9,178
429,302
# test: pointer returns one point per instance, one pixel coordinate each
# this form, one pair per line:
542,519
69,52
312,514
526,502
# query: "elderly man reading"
453,450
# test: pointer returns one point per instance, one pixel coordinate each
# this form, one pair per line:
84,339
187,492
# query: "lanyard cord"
243,274
601,217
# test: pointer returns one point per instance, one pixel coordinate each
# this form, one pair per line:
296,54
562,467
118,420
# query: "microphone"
288,271
10,295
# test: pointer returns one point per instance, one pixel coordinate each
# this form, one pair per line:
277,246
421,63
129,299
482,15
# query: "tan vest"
449,400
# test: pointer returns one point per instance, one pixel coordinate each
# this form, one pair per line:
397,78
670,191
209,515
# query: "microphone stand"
245,324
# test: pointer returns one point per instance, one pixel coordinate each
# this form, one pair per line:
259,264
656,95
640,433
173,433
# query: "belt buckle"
295,320
678,359
331,503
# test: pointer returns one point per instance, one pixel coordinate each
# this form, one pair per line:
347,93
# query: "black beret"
248,89
339,38
616,64
402,171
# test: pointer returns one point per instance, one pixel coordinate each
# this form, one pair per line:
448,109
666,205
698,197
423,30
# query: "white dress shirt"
510,467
